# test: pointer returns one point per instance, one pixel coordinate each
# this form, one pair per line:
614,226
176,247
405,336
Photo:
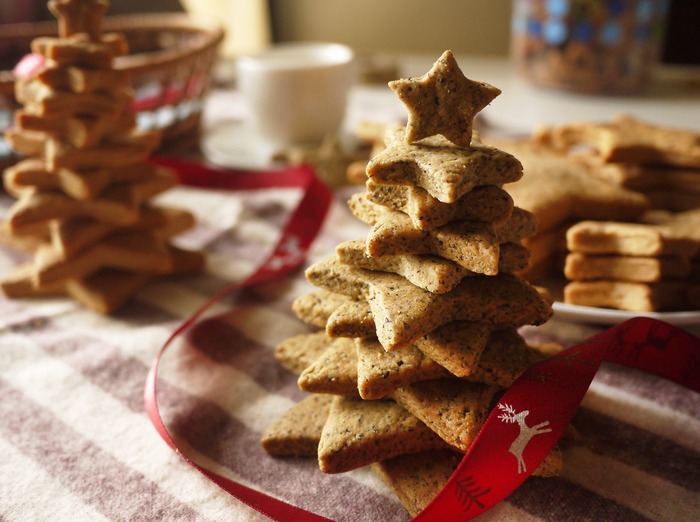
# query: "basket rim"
211,36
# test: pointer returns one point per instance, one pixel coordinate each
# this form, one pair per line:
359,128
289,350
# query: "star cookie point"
79,16
443,101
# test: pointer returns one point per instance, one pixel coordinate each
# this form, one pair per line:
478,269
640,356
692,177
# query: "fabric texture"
76,444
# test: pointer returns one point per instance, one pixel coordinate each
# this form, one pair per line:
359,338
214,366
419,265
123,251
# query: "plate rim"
594,315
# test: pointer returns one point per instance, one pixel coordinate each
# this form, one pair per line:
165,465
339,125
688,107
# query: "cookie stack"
629,266
560,191
663,163
418,321
648,263
84,188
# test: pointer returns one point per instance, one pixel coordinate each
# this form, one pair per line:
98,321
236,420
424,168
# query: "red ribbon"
530,417
302,228
534,412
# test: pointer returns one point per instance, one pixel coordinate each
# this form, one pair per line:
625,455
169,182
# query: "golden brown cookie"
472,245
641,269
79,50
629,140
454,409
358,433
119,205
631,239
69,237
505,358
298,431
352,319
316,307
107,290
300,351
131,252
417,478
77,80
446,172
44,103
547,252
443,101
623,295
558,189
457,345
433,273
334,371
118,153
487,203
75,17
499,300
380,372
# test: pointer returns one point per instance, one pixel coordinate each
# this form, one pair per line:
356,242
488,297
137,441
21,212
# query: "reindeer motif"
526,432
289,253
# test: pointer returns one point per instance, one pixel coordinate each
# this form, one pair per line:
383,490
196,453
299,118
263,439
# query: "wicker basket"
170,60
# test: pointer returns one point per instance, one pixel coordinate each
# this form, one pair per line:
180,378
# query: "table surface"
76,443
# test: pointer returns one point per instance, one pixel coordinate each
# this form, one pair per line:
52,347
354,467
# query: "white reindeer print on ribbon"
517,448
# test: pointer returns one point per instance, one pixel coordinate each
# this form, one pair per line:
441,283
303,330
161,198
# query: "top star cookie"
443,101
79,16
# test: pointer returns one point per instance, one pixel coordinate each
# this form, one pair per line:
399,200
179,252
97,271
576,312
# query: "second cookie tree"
419,319
84,189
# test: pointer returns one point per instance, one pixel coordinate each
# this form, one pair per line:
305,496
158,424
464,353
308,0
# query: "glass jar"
592,46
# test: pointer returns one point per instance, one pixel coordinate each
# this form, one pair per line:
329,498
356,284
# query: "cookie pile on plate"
631,266
83,191
562,190
417,322
625,204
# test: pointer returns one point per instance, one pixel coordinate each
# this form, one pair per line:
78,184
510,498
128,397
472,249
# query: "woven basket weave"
170,60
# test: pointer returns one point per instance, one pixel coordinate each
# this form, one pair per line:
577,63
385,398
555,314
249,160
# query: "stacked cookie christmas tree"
84,188
419,319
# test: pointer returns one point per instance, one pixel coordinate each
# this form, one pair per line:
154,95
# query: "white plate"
588,314
233,144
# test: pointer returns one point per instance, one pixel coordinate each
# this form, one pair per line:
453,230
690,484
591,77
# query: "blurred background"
370,26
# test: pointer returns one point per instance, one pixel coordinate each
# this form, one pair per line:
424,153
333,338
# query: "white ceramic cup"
296,93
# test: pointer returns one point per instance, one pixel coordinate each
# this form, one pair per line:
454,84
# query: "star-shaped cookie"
79,16
446,172
433,273
629,140
298,431
119,204
458,346
484,203
359,432
131,252
80,185
556,189
418,477
472,245
452,408
499,300
104,291
443,101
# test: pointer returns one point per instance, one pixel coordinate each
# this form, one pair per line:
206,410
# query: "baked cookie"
623,295
446,172
358,433
641,269
498,300
631,239
487,203
443,101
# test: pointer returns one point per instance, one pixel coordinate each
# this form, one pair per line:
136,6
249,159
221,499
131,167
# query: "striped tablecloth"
76,443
